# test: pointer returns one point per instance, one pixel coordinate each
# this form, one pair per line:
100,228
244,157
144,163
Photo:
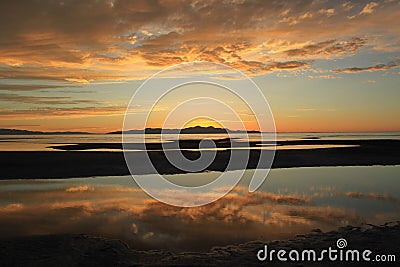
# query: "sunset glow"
322,65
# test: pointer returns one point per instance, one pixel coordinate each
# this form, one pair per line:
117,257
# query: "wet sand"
83,250
67,163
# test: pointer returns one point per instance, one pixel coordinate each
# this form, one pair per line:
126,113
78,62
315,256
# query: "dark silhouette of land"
70,163
27,132
84,250
188,130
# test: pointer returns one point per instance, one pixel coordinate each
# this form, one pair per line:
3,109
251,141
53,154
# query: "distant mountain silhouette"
189,130
26,132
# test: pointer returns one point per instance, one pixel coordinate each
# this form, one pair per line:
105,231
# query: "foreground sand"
70,163
83,250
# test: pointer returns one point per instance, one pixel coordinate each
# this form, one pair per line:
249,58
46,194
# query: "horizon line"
109,132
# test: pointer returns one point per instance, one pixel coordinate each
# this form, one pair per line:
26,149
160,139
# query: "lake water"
290,202
42,142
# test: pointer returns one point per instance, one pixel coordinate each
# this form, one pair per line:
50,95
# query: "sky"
322,65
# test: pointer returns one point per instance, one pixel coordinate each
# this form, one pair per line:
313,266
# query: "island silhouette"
188,130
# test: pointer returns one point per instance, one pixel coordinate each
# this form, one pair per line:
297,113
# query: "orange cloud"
390,65
32,87
47,100
330,47
76,44
72,112
143,223
369,8
83,42
372,195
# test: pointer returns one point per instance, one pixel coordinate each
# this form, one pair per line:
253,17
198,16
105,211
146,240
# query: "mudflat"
67,162
84,250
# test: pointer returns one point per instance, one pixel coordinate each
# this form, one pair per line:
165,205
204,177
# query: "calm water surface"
42,142
290,202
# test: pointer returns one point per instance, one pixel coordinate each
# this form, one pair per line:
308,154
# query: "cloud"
11,207
327,12
369,8
48,100
323,77
54,112
255,67
372,195
306,15
128,214
377,67
148,235
56,74
113,40
347,6
32,87
82,188
306,109
329,47
19,125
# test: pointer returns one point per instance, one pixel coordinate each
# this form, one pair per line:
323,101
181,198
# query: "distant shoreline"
74,164
189,130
